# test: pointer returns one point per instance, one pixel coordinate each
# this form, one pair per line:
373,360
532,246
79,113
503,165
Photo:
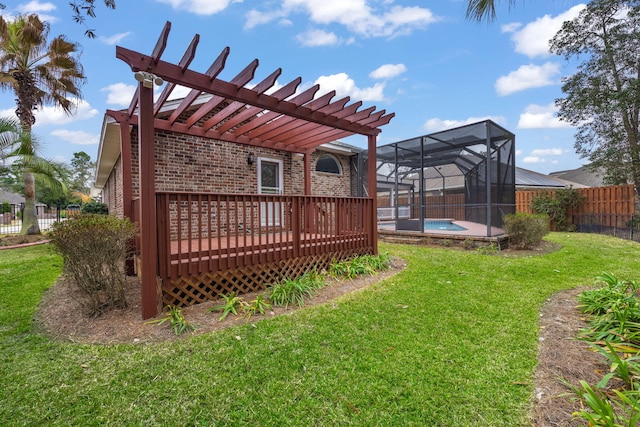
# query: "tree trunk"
29,216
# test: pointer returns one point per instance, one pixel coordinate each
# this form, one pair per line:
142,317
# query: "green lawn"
450,341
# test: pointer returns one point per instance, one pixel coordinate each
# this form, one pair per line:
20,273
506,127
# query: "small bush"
95,208
94,248
525,230
5,207
468,244
556,205
490,249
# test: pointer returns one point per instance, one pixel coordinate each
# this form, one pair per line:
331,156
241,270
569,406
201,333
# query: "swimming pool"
440,224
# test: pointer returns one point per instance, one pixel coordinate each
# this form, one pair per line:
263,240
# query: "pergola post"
147,220
373,191
127,187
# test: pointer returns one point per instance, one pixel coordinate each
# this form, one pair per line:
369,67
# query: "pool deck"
474,231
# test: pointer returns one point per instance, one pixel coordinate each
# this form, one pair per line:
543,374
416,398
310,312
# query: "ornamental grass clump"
294,291
94,249
614,331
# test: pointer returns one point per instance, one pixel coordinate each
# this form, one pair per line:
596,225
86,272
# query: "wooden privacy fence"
451,206
609,205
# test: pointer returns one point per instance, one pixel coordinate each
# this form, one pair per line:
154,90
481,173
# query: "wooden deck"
202,233
193,257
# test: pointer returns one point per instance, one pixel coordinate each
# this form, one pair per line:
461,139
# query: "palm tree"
480,10
39,73
22,149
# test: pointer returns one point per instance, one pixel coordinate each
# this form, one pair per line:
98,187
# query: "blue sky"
420,59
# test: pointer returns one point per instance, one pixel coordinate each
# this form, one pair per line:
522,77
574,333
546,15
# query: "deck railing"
204,232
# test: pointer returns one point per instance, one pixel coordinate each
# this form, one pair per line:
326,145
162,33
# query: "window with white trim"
328,164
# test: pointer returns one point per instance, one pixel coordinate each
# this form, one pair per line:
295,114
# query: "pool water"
430,224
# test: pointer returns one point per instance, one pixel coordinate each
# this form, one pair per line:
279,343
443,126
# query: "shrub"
468,244
94,248
525,230
555,206
95,208
5,207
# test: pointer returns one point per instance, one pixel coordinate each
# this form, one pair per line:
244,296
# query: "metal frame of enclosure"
475,162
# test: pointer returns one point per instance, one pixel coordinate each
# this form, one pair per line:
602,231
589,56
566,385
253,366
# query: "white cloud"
77,137
527,77
541,117
318,38
387,71
533,160
356,15
9,113
38,8
533,39
255,18
547,152
200,7
35,6
119,94
114,39
436,124
345,86
57,116
541,156
510,28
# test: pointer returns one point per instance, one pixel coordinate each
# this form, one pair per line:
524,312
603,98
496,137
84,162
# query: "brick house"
233,188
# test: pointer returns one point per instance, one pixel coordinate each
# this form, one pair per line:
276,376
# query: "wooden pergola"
235,112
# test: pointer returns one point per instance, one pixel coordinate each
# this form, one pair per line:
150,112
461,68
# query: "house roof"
284,119
12,198
526,178
584,175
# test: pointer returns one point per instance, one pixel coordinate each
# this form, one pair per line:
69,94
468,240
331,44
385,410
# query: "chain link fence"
622,226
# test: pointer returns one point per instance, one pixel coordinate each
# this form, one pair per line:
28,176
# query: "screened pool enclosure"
463,176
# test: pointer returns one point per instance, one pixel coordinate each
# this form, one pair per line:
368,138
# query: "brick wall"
112,192
326,184
186,163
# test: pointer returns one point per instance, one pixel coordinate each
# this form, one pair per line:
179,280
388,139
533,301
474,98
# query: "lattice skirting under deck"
186,291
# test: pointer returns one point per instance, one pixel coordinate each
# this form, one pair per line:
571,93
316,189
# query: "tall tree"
39,73
81,172
602,99
23,150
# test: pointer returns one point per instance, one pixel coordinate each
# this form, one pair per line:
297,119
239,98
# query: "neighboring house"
531,180
584,175
16,201
12,198
232,188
